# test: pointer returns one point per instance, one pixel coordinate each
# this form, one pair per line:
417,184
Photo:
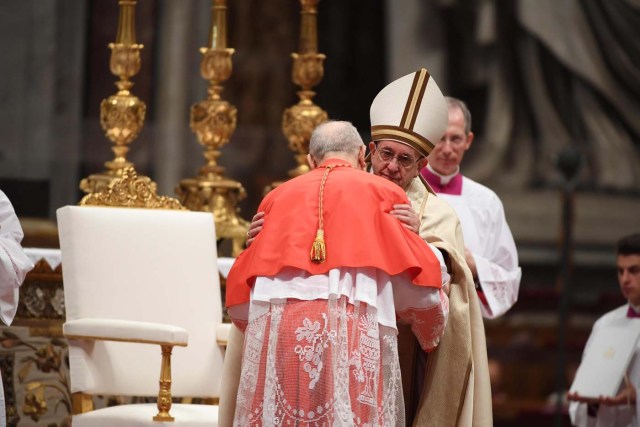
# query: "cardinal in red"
319,292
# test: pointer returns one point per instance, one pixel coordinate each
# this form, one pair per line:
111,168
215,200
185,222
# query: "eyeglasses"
403,160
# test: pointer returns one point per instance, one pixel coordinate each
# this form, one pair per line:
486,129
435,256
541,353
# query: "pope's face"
628,267
449,151
392,169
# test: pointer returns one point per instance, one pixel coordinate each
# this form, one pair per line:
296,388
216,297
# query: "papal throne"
139,283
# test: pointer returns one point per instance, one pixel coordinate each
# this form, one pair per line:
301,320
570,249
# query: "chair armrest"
125,330
222,333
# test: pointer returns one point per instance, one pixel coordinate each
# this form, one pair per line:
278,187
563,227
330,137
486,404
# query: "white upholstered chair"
137,281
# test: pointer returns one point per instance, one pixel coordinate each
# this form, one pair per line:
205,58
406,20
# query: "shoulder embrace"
383,185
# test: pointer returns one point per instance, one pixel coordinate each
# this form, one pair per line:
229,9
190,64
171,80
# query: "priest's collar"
447,184
444,179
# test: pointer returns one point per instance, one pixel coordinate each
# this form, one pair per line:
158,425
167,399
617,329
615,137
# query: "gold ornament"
121,115
299,121
214,120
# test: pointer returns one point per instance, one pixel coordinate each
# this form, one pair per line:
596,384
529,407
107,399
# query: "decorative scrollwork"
131,191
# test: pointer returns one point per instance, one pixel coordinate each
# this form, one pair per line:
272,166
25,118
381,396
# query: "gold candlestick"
122,114
214,121
122,118
299,121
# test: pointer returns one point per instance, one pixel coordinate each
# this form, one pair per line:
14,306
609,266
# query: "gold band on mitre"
395,133
414,100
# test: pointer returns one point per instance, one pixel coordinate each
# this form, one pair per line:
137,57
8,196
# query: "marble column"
179,31
41,92
69,96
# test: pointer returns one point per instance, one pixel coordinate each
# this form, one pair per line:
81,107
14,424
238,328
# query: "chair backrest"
148,265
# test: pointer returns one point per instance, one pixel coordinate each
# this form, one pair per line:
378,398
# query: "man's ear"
372,147
361,162
422,163
311,161
470,137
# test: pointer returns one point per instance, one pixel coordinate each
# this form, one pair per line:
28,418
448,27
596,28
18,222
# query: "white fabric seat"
133,279
139,415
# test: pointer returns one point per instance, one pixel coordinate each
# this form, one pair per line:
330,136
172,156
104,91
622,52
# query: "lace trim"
427,324
321,363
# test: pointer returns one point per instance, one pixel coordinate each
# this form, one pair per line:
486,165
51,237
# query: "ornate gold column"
300,120
214,120
121,115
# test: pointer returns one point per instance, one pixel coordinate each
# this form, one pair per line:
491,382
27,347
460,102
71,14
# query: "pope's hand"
407,217
255,227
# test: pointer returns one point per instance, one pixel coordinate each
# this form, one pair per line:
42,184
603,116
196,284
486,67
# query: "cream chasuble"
456,388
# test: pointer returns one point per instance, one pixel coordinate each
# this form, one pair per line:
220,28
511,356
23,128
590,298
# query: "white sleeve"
578,412
14,264
425,309
578,415
498,271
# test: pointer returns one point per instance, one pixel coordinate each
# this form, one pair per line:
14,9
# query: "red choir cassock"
320,343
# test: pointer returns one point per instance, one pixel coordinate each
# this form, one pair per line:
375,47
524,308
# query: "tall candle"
126,23
218,36
308,27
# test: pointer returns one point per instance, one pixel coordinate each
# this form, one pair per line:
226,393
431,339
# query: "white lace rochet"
322,350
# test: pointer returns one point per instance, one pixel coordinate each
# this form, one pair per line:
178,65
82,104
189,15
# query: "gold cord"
318,248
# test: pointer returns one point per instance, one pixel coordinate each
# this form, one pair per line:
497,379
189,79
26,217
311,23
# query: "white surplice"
14,266
488,237
613,416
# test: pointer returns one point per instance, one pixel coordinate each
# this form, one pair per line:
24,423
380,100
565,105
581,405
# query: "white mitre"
410,110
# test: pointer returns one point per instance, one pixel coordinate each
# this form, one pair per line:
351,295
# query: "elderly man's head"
395,161
338,139
408,117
